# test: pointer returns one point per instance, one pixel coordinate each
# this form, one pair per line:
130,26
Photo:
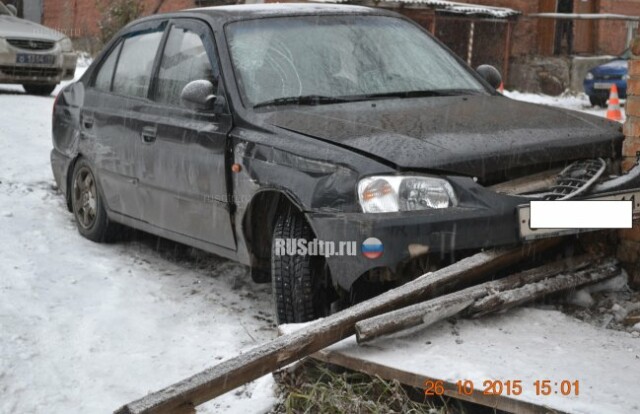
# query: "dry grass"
319,388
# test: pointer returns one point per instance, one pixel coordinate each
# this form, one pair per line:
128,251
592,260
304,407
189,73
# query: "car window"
105,73
135,65
184,60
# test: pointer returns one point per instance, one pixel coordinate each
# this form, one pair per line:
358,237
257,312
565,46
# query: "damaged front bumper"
483,219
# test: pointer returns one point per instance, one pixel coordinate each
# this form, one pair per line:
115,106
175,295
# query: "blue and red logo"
372,248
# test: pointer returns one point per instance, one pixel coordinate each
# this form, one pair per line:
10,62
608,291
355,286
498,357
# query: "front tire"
87,205
300,282
41,90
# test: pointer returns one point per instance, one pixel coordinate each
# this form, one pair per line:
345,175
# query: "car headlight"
66,45
589,76
385,194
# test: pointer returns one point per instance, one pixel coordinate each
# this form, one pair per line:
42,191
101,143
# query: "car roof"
252,11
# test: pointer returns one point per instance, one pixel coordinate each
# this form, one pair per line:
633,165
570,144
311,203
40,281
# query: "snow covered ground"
579,102
87,327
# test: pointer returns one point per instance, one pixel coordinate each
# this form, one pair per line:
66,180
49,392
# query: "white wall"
32,10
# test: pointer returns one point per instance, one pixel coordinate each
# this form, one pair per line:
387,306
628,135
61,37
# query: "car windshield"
322,58
4,10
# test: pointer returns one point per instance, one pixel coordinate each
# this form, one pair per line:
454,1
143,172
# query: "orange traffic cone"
613,110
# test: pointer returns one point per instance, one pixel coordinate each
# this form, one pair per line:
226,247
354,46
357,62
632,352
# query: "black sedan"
330,148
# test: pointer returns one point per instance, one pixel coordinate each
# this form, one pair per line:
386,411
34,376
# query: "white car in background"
34,56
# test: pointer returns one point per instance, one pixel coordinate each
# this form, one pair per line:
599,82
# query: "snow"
86,327
577,102
523,344
581,298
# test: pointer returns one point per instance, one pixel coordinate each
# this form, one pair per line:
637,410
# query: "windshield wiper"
302,100
321,99
416,94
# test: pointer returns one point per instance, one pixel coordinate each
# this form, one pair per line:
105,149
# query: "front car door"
182,152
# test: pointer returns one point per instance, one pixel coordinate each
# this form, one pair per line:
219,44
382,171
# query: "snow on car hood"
470,135
11,26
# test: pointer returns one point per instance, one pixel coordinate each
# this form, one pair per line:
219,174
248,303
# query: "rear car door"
182,154
118,87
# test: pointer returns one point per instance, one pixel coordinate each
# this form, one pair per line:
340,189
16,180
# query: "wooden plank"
500,301
547,28
286,349
442,307
507,53
389,373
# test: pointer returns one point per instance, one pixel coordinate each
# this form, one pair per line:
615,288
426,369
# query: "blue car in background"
598,80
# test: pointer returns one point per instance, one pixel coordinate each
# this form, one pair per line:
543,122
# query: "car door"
182,155
119,85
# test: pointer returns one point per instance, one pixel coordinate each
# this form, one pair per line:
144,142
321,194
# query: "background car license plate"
31,59
602,85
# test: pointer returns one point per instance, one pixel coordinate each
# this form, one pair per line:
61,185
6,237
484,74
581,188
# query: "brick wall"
629,249
78,18
612,35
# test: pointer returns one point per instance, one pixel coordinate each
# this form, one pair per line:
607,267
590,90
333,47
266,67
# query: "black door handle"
148,135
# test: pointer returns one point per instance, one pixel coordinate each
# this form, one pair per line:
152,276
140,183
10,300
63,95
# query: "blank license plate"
527,233
31,59
601,85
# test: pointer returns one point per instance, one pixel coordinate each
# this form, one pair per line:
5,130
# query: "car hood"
479,136
11,26
616,66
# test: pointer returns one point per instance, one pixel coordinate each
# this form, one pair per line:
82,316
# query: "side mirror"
490,74
12,9
198,95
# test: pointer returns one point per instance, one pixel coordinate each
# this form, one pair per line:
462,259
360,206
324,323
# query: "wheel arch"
69,179
258,223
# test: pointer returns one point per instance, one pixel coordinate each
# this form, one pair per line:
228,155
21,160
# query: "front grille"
609,77
31,44
576,179
19,71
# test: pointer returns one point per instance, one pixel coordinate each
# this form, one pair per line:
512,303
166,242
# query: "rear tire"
41,90
88,206
300,283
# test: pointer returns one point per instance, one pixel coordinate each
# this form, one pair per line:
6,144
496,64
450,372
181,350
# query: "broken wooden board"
443,307
524,344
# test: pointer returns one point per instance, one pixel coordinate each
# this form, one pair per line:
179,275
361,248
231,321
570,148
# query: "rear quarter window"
105,72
